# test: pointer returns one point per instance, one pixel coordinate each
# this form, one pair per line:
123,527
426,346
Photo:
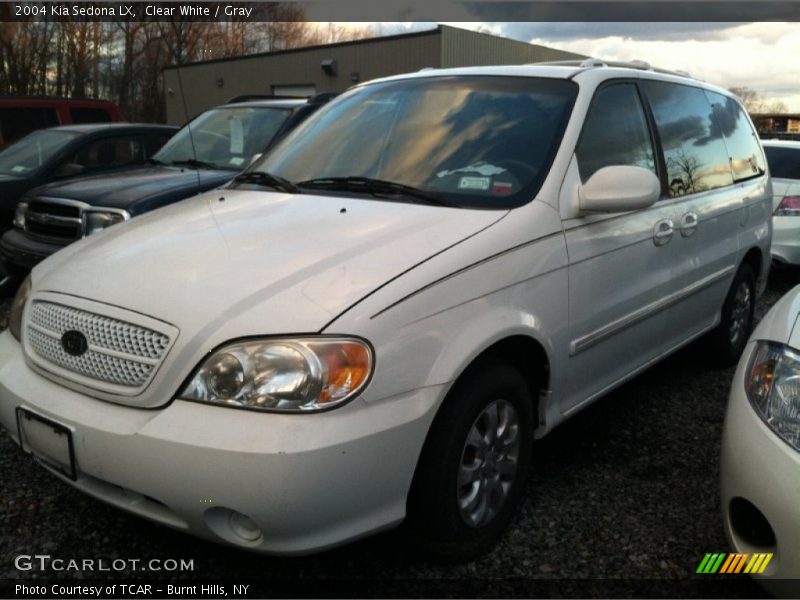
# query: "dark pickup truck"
204,154
61,153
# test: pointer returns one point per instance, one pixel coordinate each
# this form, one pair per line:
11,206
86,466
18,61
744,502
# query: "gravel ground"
623,500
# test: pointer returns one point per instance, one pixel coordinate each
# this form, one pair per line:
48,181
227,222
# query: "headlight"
19,215
772,383
97,220
299,374
15,318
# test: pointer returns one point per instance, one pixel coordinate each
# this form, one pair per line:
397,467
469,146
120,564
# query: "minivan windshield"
471,141
223,138
27,155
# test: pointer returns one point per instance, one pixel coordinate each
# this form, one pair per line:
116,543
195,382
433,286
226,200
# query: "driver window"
615,132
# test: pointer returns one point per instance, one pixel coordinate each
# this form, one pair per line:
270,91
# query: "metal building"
335,67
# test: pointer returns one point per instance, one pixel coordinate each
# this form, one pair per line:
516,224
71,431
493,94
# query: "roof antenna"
189,127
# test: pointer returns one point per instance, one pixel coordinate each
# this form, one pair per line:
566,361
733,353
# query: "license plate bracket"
49,442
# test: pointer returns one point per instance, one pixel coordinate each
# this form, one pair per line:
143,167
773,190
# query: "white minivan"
375,322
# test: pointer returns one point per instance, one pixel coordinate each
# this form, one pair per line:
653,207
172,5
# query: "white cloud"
761,56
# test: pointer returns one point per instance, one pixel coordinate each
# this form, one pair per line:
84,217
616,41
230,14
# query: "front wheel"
473,465
727,341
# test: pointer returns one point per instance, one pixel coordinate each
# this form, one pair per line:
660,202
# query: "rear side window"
89,115
695,154
784,163
111,152
744,149
17,122
615,132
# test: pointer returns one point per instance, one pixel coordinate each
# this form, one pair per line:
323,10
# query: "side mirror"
256,156
619,189
69,170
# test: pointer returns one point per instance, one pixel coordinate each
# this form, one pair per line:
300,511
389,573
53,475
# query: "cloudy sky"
762,56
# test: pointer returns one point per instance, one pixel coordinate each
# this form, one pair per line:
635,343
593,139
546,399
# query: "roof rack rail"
320,98
595,63
249,97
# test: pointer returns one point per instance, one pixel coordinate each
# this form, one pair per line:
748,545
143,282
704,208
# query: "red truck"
19,115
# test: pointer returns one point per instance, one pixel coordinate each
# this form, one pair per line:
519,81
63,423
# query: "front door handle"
688,224
662,232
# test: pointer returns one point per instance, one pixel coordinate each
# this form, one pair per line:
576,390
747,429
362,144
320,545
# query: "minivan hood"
124,189
258,262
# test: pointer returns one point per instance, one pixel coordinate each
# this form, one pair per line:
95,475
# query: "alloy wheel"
488,464
740,314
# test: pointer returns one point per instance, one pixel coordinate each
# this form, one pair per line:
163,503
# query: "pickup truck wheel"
473,466
727,341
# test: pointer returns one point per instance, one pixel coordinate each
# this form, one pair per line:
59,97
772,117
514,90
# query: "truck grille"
118,353
54,220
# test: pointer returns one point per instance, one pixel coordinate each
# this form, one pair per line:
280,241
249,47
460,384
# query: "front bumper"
21,252
786,240
759,467
307,481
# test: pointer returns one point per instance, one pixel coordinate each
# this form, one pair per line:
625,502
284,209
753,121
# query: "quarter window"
694,151
747,159
615,132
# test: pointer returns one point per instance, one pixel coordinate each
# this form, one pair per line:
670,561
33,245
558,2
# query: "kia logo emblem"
74,343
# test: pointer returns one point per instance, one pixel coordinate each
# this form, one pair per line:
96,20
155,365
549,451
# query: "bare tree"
123,61
684,167
331,33
755,102
24,52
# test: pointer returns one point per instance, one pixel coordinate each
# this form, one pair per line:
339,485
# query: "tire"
442,522
9,282
726,342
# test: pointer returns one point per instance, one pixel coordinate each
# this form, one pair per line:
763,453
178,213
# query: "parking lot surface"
626,490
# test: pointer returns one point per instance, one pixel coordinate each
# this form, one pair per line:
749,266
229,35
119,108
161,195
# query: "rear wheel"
473,465
728,340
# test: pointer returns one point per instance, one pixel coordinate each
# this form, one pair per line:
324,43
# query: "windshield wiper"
268,180
153,161
195,164
375,187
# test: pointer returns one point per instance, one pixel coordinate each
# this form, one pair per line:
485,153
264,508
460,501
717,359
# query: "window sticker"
236,161
237,135
19,169
481,168
502,188
474,183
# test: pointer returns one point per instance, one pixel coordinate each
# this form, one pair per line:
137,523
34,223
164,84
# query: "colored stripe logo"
728,563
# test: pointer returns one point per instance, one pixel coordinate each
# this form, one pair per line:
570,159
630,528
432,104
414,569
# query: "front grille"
69,232
54,220
60,210
119,353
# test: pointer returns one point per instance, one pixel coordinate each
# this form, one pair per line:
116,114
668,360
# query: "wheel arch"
754,257
523,352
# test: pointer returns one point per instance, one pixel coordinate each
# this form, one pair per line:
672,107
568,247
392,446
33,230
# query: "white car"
377,320
760,470
783,158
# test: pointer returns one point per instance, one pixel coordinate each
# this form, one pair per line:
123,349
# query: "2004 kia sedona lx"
375,323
